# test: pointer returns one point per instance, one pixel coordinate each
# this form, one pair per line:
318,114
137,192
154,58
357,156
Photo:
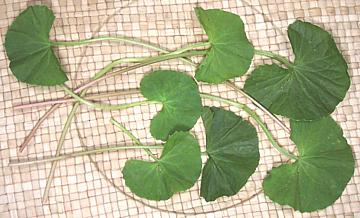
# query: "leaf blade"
232,146
27,45
178,169
322,172
180,98
231,53
314,87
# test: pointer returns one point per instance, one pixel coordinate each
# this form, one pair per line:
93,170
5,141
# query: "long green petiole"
274,56
257,104
145,62
191,46
131,41
100,106
117,62
136,140
91,96
58,149
82,153
256,118
107,38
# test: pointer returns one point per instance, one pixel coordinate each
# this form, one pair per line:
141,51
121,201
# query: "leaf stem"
148,61
37,126
274,56
135,140
256,118
100,106
123,39
132,41
90,96
191,46
82,153
114,63
58,149
232,85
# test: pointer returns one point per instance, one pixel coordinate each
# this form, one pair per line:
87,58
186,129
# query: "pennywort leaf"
313,87
176,170
232,147
318,178
231,53
27,45
180,98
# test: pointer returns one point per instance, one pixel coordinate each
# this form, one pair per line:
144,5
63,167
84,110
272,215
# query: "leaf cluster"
307,91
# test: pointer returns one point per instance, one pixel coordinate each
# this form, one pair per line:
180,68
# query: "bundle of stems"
79,96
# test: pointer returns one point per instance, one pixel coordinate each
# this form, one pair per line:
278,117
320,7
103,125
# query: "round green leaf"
28,47
231,53
232,147
180,98
322,171
316,84
177,169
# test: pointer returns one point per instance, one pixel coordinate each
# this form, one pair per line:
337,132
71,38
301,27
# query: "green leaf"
180,98
316,84
232,147
28,47
322,171
177,169
231,52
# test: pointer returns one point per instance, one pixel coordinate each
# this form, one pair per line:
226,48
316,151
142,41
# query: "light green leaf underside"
28,47
231,53
318,178
180,98
232,146
177,169
314,87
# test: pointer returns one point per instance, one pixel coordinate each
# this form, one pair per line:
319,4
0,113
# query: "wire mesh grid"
93,186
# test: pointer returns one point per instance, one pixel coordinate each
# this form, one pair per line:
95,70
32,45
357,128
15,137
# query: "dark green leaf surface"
231,52
177,169
180,98
28,47
320,175
316,84
232,146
